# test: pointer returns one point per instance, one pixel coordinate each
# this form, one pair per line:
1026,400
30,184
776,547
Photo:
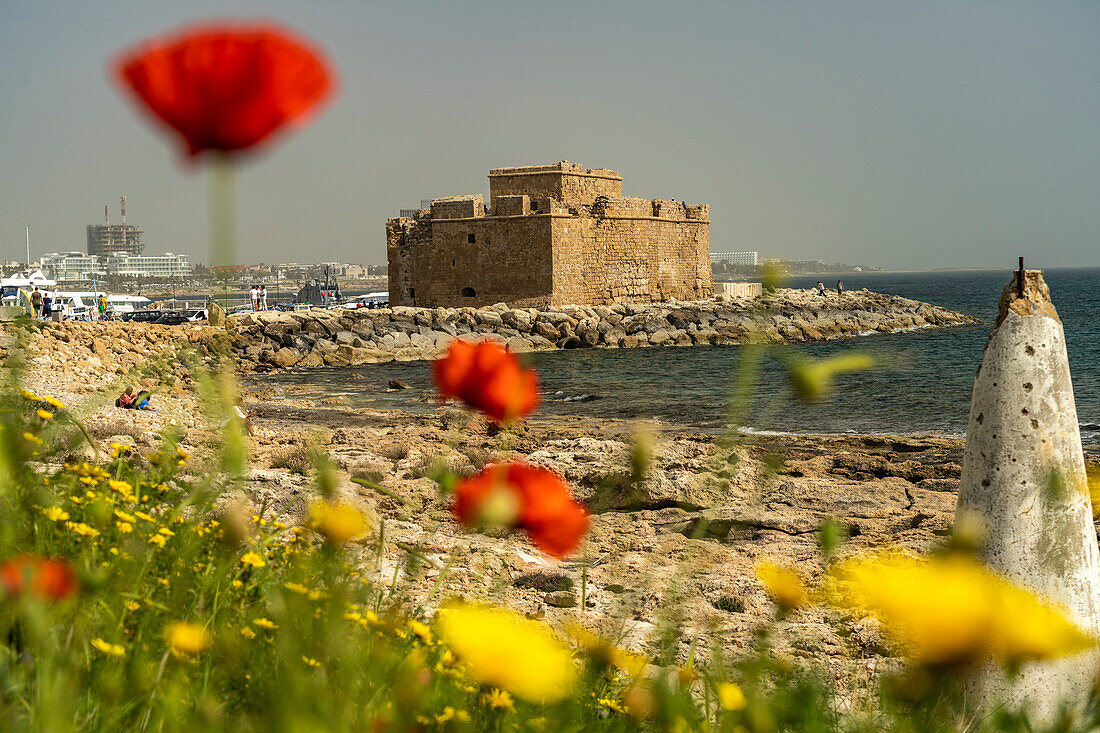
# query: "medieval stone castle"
552,235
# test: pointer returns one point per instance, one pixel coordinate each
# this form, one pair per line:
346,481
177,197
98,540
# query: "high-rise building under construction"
107,239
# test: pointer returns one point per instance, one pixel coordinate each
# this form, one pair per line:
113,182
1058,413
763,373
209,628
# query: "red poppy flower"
226,86
51,580
530,497
487,377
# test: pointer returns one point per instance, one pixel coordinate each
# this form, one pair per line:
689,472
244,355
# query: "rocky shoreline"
677,543
334,337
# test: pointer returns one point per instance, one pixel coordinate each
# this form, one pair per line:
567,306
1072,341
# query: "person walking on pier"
36,302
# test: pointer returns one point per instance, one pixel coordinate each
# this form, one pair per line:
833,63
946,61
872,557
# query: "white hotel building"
165,265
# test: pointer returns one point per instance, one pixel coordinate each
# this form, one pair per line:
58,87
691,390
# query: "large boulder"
286,357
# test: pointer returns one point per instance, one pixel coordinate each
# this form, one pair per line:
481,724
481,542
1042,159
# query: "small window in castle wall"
470,238
452,263
469,292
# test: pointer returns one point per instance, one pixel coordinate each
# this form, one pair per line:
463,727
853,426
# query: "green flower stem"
223,214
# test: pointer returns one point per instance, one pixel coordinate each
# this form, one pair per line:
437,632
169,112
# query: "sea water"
922,385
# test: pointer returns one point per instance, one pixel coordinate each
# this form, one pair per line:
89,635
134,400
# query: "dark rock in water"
398,384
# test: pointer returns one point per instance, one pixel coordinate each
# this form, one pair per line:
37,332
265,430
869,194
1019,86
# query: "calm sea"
924,384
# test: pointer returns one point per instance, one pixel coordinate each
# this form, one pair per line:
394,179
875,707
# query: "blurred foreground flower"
606,653
487,377
40,577
784,584
730,696
338,522
508,651
952,609
530,497
186,638
813,379
226,86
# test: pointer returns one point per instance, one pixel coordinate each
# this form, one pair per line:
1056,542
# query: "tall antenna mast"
28,246
123,198
106,218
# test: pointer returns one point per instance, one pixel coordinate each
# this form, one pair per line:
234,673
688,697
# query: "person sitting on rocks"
127,400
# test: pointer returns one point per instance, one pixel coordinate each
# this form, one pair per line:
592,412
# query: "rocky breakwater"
78,357
340,337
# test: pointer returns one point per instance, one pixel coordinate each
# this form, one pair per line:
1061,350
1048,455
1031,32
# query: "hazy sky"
896,134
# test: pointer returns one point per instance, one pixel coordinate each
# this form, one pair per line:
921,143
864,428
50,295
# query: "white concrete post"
1023,433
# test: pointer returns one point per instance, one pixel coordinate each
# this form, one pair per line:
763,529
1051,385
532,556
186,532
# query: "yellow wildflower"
76,499
82,529
44,414
421,630
122,487
449,714
311,662
114,650
371,617
608,653
730,696
54,403
118,449
131,605
182,454
265,623
124,516
951,609
337,522
296,588
143,515
248,633
784,584
253,559
237,584
125,527
166,532
32,438
29,396
509,651
158,540
186,638
498,699
55,514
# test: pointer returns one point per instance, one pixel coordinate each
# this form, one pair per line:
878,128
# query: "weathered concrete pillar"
1024,473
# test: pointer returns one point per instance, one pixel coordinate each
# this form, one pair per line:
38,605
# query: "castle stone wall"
552,236
629,257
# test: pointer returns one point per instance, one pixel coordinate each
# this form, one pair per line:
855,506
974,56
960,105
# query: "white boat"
79,305
368,300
